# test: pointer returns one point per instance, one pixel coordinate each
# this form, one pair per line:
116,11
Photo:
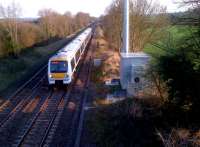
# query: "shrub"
122,125
179,67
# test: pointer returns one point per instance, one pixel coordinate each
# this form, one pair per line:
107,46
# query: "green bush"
179,67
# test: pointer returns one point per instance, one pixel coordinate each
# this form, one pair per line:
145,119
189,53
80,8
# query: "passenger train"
61,66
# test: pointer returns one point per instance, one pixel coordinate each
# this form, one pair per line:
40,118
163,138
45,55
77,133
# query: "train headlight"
50,76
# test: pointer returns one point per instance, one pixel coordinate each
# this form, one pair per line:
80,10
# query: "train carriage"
61,67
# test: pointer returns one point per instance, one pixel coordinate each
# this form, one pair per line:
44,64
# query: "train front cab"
59,72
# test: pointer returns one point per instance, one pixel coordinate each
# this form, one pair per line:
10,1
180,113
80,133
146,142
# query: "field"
172,37
14,71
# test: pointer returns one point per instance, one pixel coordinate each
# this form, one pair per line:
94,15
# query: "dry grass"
180,137
110,57
123,123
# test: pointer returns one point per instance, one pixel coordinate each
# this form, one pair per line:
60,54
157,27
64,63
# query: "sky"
95,8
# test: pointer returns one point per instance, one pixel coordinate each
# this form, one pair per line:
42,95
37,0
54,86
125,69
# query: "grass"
173,36
14,70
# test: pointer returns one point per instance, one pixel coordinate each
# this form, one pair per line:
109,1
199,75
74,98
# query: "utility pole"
125,47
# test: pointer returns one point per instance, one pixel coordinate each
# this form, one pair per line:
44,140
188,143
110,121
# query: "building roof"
137,54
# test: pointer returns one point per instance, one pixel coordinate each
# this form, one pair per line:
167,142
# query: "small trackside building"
132,72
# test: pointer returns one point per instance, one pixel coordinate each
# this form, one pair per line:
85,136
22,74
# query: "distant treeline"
190,17
16,34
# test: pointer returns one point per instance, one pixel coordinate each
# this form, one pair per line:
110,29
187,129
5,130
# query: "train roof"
69,51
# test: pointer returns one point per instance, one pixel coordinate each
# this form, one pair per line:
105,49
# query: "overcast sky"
30,8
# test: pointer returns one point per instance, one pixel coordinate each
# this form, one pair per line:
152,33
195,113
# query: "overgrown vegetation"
179,67
124,124
175,71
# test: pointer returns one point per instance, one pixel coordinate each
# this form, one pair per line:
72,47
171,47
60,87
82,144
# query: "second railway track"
39,125
19,98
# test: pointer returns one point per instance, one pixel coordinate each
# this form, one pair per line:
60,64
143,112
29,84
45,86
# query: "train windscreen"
58,67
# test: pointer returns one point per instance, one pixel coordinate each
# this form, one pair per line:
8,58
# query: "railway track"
22,95
16,124
41,131
19,98
33,114
39,126
69,122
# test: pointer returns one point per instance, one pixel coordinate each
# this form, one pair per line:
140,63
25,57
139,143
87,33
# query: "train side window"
77,55
80,52
82,48
86,39
73,64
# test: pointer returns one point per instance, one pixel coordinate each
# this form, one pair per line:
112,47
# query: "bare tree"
10,14
55,24
81,20
146,21
16,34
113,23
46,22
29,34
68,25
